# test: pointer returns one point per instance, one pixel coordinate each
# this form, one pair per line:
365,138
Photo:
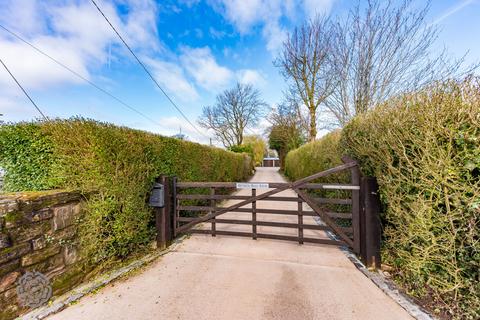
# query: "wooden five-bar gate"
188,204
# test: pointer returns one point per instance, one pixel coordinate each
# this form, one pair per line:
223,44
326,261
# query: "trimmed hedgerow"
116,166
27,156
307,159
316,156
424,149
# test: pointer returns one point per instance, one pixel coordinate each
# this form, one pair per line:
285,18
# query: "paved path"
240,278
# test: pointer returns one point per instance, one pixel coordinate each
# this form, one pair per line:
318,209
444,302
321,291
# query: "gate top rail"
272,185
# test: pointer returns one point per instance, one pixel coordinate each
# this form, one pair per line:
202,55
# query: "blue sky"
195,49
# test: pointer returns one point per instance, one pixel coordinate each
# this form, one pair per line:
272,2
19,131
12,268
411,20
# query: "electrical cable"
146,70
81,77
25,92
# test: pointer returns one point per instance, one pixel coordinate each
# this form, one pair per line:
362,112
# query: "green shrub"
314,157
424,148
258,146
248,149
27,156
118,164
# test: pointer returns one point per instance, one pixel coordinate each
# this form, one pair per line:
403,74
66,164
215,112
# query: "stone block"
77,208
9,308
51,198
71,276
29,231
5,241
10,294
14,252
70,254
8,205
51,265
63,217
64,234
8,280
14,219
39,243
9,266
39,256
40,215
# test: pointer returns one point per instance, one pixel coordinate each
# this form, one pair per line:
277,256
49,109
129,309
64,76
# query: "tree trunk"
312,134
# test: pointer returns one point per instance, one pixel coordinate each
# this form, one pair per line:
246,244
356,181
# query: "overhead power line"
146,70
80,76
25,92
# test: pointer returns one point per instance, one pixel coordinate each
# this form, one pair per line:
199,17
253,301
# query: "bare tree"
304,63
234,110
381,51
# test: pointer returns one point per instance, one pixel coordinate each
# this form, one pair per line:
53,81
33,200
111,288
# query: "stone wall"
37,233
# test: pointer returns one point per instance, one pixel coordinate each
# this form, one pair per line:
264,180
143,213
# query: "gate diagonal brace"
321,213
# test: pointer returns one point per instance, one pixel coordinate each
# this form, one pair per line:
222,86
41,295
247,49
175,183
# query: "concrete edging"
79,292
386,285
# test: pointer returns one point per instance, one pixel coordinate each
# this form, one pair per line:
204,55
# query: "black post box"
157,197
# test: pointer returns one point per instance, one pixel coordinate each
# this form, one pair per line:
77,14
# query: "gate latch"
157,196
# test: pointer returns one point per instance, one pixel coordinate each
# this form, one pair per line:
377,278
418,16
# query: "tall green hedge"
424,149
307,159
116,165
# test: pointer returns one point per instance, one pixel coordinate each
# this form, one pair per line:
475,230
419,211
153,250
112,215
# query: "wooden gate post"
300,220
213,204
254,216
356,211
372,225
163,221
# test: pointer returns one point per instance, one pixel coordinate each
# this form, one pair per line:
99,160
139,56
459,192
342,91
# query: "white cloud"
317,7
73,32
275,36
202,66
243,13
246,15
141,24
249,76
76,35
216,34
24,15
260,129
173,125
172,78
